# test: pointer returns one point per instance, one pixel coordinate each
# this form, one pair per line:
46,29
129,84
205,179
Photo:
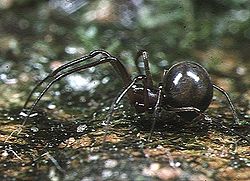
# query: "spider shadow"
170,125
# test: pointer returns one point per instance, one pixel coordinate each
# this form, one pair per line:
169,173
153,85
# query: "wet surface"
63,138
74,150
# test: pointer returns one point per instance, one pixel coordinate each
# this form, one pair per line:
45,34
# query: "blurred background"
36,36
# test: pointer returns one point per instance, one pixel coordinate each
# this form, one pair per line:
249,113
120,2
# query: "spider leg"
157,109
217,123
145,95
145,59
117,101
184,109
236,119
56,78
65,66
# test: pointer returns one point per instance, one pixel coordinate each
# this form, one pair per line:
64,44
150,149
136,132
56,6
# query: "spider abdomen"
187,84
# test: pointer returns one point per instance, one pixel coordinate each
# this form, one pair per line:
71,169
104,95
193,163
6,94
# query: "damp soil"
63,139
52,147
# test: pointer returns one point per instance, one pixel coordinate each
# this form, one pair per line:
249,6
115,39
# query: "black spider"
185,88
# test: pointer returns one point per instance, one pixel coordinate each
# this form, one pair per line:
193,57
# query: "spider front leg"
73,67
64,67
76,66
148,86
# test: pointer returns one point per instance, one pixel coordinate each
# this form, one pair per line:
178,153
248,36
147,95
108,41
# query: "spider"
185,89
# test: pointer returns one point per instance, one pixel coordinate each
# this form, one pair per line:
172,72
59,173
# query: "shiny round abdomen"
187,84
